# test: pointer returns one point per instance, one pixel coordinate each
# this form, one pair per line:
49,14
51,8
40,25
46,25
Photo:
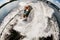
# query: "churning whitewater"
40,22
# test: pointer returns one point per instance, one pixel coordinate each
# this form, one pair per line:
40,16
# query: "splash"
40,22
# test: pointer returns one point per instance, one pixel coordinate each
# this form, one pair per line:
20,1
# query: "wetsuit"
27,11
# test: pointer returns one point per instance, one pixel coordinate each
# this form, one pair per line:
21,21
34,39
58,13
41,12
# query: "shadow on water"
14,35
48,38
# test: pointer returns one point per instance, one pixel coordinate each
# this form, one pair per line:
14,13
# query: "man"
27,10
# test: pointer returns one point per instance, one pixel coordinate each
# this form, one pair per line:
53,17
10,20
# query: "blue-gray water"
7,8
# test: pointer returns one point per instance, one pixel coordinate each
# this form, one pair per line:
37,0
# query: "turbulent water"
40,23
